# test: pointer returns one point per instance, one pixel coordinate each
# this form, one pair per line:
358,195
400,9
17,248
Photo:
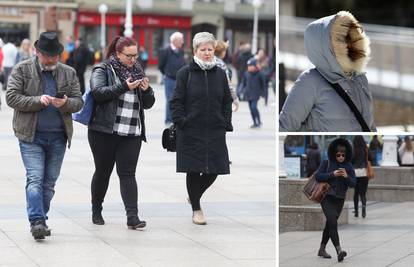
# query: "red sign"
112,19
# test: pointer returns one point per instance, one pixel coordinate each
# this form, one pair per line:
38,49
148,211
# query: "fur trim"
341,29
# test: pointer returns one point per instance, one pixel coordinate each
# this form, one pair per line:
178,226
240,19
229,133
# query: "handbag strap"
345,97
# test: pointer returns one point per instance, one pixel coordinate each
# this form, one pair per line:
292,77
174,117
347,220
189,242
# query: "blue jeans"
42,159
254,111
169,91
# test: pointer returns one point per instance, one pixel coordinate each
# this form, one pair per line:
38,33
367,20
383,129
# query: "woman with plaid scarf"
121,92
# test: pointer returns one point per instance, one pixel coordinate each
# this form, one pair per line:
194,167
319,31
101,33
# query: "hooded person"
339,49
339,173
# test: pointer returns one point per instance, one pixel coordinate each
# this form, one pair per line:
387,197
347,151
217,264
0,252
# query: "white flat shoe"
198,217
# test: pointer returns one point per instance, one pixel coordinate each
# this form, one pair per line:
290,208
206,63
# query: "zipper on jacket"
208,113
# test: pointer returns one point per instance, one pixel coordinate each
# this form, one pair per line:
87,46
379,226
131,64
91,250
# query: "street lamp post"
256,5
128,19
103,9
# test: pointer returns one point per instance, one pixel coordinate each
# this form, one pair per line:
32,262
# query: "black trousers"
332,208
81,78
108,149
360,191
197,184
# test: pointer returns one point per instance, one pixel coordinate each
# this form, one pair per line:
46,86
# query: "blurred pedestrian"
375,148
201,109
339,49
243,56
338,172
121,92
9,60
43,93
406,152
313,159
79,59
171,59
219,55
266,68
143,57
25,51
252,86
360,164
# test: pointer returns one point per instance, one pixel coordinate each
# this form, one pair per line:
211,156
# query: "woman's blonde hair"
221,47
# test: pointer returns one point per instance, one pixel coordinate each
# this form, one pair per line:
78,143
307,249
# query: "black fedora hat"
48,44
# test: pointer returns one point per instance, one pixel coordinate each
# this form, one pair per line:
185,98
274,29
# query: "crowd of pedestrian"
200,100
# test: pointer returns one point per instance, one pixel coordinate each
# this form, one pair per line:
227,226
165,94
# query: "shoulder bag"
314,190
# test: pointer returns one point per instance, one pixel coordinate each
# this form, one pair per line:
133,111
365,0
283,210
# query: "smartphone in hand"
60,95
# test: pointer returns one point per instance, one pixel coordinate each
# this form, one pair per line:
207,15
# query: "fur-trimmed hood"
333,146
326,45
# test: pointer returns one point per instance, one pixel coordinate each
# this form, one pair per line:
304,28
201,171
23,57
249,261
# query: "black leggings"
360,191
108,149
197,184
332,208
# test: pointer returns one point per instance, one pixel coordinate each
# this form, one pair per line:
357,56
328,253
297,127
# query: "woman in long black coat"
201,109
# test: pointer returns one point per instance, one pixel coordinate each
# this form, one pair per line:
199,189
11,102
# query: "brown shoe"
198,217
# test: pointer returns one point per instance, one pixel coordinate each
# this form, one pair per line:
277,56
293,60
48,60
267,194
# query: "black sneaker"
97,218
135,223
39,230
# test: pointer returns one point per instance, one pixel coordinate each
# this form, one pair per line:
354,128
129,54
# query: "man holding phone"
43,93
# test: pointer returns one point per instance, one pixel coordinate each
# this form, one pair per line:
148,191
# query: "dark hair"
333,148
118,44
359,148
408,143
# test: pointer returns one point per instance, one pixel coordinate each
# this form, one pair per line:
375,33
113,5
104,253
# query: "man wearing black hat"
43,93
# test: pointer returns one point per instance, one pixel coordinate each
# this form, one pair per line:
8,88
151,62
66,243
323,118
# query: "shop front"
150,31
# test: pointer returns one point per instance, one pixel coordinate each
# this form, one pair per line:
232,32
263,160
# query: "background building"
154,21
26,19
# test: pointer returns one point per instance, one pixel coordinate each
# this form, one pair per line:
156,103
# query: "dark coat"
201,109
169,61
339,185
106,91
253,85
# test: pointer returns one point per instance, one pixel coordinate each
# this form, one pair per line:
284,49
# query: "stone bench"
387,193
306,218
393,175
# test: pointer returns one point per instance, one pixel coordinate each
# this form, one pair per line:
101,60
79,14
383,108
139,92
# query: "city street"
239,208
384,238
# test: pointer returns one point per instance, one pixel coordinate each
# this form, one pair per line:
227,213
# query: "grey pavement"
384,238
239,208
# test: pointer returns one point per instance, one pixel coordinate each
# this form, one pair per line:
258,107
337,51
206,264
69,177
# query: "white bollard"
389,151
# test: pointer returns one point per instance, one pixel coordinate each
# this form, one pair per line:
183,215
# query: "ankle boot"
341,253
356,212
133,222
322,252
97,218
364,211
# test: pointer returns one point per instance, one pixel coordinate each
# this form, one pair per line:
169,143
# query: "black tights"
108,149
332,208
360,191
197,184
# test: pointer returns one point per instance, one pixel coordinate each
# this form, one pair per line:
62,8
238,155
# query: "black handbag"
169,138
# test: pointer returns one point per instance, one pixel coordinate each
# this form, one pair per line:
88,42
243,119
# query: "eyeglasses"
338,155
130,57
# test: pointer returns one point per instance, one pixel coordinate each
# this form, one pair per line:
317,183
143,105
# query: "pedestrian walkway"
239,208
384,238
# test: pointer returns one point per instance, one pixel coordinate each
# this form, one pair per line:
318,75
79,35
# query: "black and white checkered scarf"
127,122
